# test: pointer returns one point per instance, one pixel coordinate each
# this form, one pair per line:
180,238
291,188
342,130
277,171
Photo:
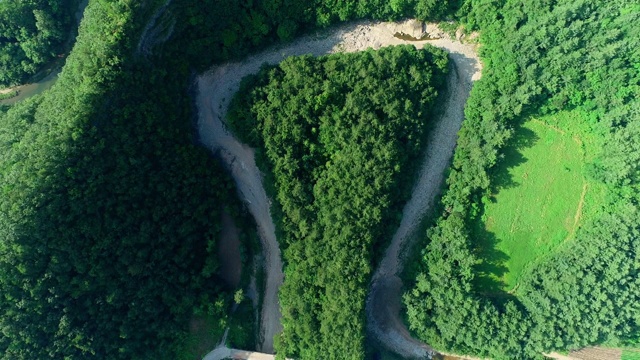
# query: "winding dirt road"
217,87
384,301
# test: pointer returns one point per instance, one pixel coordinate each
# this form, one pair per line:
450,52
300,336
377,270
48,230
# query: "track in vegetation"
158,30
217,87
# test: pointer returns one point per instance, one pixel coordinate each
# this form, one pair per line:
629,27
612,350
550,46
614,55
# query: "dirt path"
589,353
217,87
240,161
384,302
222,352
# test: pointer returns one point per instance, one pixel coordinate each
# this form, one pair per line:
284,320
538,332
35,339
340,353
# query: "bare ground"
589,353
217,87
384,303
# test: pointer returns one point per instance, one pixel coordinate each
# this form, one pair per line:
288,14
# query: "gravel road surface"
217,87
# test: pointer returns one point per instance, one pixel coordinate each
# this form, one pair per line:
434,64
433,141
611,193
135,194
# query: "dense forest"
31,35
541,58
109,212
340,134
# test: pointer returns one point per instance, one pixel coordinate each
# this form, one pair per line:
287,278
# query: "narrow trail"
158,29
215,90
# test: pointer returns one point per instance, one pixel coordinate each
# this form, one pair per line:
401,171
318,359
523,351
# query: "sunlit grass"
540,196
630,354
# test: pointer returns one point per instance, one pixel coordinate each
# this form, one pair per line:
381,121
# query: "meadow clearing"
541,194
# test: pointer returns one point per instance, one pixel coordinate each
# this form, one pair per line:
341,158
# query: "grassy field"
540,196
631,354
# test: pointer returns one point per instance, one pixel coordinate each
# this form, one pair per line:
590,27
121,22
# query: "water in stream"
28,90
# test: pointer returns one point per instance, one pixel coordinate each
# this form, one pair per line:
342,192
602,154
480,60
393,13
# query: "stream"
28,90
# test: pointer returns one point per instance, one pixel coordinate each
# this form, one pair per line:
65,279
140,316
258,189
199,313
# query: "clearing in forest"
540,196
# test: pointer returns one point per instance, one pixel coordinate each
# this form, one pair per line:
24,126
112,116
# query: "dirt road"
217,87
222,352
240,161
384,302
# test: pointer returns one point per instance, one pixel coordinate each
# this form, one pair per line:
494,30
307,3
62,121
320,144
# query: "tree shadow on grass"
492,262
491,267
511,156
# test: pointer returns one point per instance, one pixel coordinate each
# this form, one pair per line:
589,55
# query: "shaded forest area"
540,58
31,35
108,247
340,135
110,211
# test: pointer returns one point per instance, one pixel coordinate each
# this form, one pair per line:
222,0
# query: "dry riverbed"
217,87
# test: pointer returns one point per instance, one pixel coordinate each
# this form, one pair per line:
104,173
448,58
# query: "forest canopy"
108,248
340,134
31,35
109,214
542,58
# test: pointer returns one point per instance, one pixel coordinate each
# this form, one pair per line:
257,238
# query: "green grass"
540,196
630,354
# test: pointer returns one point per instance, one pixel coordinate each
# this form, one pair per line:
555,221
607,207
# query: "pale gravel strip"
217,87
384,302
